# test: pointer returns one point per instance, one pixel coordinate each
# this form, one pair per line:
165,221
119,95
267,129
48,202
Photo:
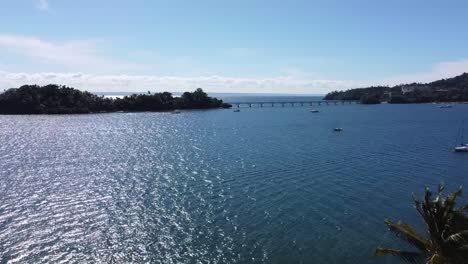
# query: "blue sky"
231,46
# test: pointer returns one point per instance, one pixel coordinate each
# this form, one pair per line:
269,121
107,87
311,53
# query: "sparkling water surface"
265,185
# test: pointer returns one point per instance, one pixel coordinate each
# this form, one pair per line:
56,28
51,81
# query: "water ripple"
261,186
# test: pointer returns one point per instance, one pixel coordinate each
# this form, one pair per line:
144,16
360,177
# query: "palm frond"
450,200
446,227
410,257
409,234
460,238
437,259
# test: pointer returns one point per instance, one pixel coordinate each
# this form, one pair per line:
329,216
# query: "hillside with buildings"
446,90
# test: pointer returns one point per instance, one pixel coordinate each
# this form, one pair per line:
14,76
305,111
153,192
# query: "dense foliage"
445,90
54,99
446,238
357,94
370,99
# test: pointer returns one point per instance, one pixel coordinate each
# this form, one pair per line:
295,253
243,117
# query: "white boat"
314,111
461,148
445,106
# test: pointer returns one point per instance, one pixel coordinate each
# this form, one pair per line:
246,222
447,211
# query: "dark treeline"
446,90
55,99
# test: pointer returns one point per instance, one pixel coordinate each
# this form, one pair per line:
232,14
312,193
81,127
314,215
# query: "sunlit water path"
271,185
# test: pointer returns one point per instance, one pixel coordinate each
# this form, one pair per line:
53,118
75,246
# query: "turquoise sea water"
270,185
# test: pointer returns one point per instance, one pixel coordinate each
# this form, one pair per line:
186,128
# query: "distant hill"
54,99
446,90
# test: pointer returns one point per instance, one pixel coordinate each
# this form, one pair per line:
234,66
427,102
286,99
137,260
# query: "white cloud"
71,53
74,55
42,5
124,83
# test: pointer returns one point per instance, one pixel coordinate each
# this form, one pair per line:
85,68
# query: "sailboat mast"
462,132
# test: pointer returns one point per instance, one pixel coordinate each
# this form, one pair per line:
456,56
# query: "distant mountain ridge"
445,90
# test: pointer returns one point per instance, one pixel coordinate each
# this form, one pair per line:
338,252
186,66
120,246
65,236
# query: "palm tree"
446,241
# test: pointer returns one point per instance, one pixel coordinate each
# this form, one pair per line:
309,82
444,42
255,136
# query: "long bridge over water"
292,103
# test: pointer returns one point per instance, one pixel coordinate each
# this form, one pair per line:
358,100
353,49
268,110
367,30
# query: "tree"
446,241
369,99
55,99
447,90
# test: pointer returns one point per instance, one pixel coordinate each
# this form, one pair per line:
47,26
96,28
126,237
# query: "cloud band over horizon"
72,56
213,83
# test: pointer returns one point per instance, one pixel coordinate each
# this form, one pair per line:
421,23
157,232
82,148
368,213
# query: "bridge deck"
292,103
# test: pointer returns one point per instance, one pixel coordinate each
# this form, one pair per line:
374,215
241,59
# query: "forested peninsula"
446,90
55,99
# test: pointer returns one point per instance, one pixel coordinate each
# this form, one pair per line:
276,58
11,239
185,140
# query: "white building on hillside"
412,88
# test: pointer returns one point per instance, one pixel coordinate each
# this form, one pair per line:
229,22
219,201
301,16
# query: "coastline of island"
445,90
56,99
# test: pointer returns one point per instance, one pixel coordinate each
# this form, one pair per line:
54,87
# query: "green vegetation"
370,99
446,241
54,99
446,90
358,94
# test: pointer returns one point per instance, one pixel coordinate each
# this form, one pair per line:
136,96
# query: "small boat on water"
237,111
314,111
461,148
176,112
338,129
446,106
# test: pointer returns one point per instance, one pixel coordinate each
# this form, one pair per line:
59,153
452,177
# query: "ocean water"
265,185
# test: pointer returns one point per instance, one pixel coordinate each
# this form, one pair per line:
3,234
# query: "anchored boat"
461,148
446,106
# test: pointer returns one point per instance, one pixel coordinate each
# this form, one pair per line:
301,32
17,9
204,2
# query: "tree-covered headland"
55,99
446,90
